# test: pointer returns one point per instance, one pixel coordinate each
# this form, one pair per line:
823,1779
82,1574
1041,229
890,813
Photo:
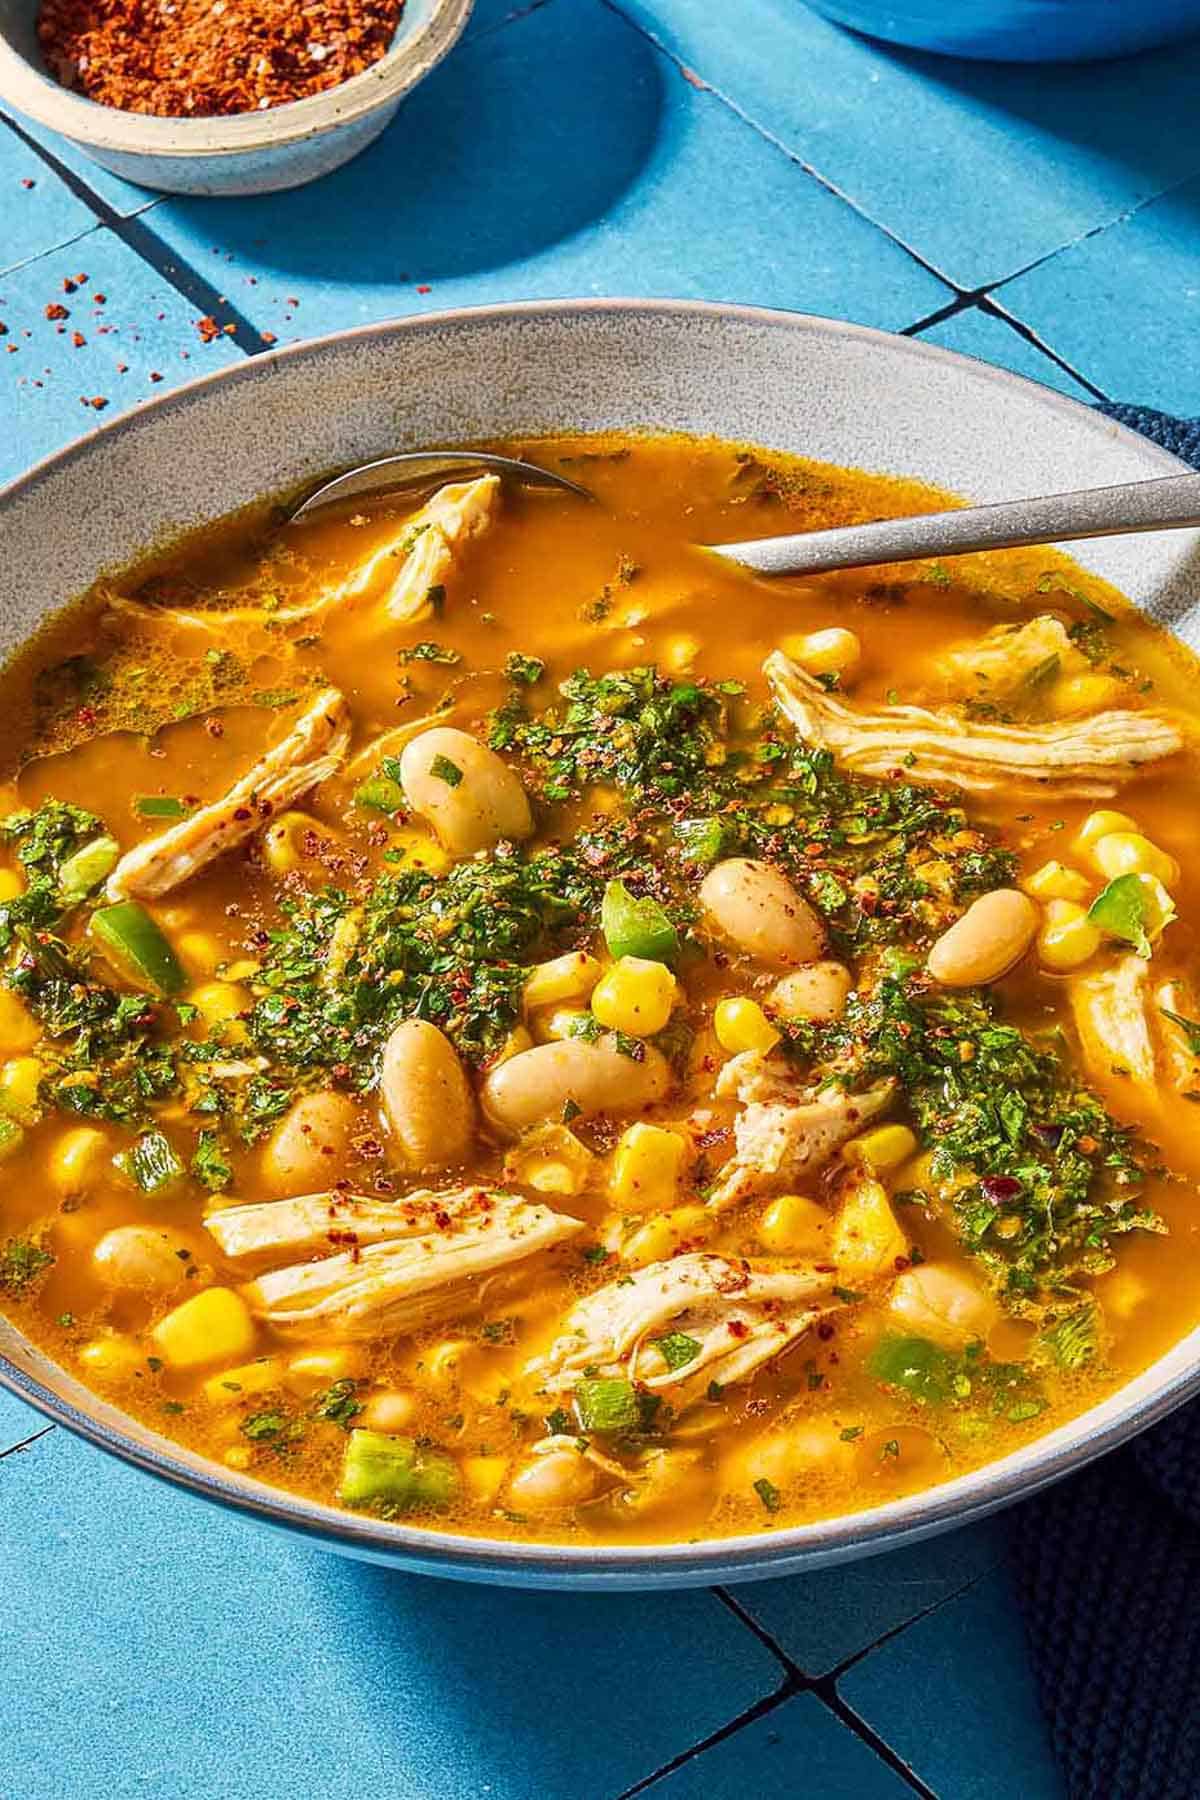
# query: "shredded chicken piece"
1086,757
403,572
1176,1000
1010,658
1112,1017
785,1130
427,544
310,752
408,1264
740,1317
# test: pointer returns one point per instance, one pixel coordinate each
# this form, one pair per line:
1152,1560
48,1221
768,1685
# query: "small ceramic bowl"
1020,30
248,153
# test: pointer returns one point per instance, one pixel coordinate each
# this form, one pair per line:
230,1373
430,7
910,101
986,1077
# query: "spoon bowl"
413,468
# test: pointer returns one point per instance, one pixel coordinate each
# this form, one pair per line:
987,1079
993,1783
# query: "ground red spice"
197,58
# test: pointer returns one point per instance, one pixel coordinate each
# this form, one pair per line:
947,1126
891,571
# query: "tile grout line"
759,1710
27,1443
793,156
27,262
827,1693
995,310
150,249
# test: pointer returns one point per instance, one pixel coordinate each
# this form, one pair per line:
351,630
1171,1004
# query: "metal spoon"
1168,502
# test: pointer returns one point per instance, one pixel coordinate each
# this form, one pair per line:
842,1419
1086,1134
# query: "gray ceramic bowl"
833,391
251,153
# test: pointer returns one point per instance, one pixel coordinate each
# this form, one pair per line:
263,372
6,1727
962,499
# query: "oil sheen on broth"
478,1049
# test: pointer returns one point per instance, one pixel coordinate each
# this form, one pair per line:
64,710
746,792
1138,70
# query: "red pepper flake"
191,58
268,337
98,402
738,1328
208,329
229,330
122,368
78,339
423,287
68,285
100,299
3,329
694,80
56,310
154,375
27,183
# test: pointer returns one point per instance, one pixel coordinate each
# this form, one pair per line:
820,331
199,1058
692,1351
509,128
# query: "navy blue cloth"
1108,1564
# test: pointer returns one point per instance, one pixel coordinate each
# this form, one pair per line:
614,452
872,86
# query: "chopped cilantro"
442,769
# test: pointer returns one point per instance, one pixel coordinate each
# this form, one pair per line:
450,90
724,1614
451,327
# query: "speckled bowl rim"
411,56
32,1376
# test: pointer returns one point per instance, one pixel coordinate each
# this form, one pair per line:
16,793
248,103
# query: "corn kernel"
10,885
200,952
883,1149
634,996
1129,853
794,1225
832,652
310,1370
484,1476
113,1357
410,848
19,1030
558,1022
214,1326
518,1039
287,841
743,1025
867,1238
219,1004
1055,881
1067,937
666,1233
1071,695
20,1080
646,1167
78,1158
1099,824
569,977
232,1385
552,1160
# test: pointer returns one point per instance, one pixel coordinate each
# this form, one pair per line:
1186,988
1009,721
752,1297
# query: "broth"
852,1229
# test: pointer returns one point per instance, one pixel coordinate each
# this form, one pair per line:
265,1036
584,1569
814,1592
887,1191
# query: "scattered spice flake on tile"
423,287
694,80
3,329
27,183
78,339
99,299
154,375
268,337
56,310
68,285
122,368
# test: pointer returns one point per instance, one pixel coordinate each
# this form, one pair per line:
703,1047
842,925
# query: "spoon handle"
1172,500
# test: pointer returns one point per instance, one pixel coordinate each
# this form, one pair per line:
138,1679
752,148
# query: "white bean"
993,934
463,790
572,1076
141,1257
938,1302
758,908
393,1410
306,1148
556,1478
426,1096
817,991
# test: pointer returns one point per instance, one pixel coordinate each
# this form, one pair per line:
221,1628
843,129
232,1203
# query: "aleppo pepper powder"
197,58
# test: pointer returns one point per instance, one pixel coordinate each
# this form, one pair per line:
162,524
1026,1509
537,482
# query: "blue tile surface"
37,209
821,1619
157,1647
46,380
797,1748
485,189
954,1697
981,167
1124,305
974,332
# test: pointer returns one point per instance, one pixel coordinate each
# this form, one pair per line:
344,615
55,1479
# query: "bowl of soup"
532,1053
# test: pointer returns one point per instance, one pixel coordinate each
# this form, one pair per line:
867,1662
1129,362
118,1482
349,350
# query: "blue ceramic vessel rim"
426,32
52,1391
